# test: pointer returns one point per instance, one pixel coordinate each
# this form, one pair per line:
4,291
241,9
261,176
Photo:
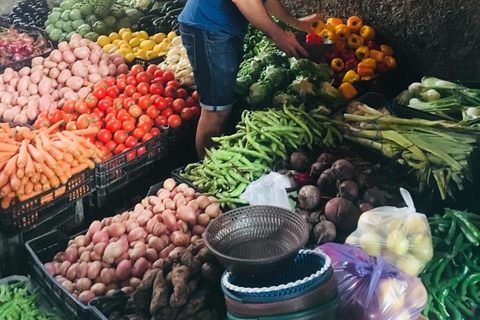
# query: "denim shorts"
215,58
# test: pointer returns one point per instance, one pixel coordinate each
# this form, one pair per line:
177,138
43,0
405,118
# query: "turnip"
375,197
324,231
342,170
326,182
309,197
348,189
299,162
343,213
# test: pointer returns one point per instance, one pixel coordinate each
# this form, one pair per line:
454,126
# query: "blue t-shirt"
214,15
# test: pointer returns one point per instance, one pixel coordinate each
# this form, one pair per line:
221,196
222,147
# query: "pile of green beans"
262,138
452,277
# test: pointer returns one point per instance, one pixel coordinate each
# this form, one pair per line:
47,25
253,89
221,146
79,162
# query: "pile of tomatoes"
127,110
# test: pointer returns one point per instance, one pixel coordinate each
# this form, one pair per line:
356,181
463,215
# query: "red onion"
17,57
27,49
303,178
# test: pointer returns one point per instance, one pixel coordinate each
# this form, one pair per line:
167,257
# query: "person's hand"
305,23
287,42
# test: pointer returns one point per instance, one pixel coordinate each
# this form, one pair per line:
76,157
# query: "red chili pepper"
371,45
351,65
313,38
382,67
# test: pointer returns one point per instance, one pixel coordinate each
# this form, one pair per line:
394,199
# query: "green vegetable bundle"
262,138
439,149
452,277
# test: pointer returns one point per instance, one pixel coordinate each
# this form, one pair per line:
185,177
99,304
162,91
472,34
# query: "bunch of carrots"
34,161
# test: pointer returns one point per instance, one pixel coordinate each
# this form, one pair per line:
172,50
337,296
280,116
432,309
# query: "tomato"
152,112
189,102
120,136
155,131
121,84
128,126
160,103
68,117
174,120
145,118
143,77
41,122
112,110
99,113
122,76
99,124
83,121
90,137
118,103
145,125
104,135
91,101
174,83
144,102
54,116
72,125
161,121
130,90
152,69
154,97
111,116
187,114
182,93
156,88
123,115
168,76
119,149
111,81
147,136
195,111
128,102
167,112
94,117
136,96
122,96
135,111
112,92
170,91
99,92
69,105
111,144
81,106
104,104
141,150
101,84
136,69
169,101
158,73
178,105
106,152
131,142
138,133
114,125
131,155
195,96
143,88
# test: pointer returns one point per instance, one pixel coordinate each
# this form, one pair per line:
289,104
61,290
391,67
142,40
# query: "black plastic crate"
146,62
22,215
103,307
176,175
42,250
177,136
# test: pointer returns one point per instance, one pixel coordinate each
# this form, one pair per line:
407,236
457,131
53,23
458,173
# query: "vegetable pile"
262,137
176,60
161,17
36,161
17,46
117,252
29,13
452,276
90,19
432,149
63,75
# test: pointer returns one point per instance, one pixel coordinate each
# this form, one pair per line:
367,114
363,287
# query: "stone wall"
433,37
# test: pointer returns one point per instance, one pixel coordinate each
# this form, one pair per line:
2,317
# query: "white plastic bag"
401,235
270,190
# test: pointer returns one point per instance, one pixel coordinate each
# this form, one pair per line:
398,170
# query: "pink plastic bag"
372,289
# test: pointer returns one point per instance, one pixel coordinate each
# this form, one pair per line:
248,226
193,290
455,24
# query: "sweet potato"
160,293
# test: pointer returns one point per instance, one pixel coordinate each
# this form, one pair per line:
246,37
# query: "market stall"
325,200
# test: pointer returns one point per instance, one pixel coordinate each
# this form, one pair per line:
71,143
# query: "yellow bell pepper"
369,61
376,55
351,76
390,62
334,21
318,26
387,50
342,31
362,52
327,35
367,33
337,64
330,27
354,23
347,90
354,41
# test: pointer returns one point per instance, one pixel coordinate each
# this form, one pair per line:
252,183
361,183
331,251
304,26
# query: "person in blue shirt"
212,32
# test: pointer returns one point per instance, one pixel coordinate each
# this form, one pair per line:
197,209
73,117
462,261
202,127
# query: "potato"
62,269
151,254
123,256
134,282
157,243
98,289
86,296
165,252
82,270
99,248
82,241
94,227
139,268
68,285
72,272
135,234
159,229
138,251
107,276
93,270
124,269
116,229
179,239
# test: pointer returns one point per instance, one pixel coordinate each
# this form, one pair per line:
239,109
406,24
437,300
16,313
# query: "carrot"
38,166
47,171
85,132
73,163
22,155
43,179
57,154
20,173
11,166
54,182
3,163
21,191
36,155
15,182
36,177
45,141
7,200
37,186
49,160
58,171
60,145
6,147
24,180
79,168
64,178
85,152
29,168
90,163
65,166
46,186
31,195
80,158
28,188
5,190
50,130
6,128
67,156
3,180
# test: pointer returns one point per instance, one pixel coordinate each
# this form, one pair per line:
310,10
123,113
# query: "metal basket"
256,240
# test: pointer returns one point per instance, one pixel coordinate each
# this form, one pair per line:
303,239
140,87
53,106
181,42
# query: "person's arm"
256,13
276,9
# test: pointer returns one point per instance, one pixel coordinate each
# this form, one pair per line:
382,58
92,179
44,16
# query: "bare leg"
210,124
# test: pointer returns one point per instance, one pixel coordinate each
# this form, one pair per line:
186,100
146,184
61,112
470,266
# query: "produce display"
434,150
65,74
89,19
36,161
118,252
124,111
451,277
176,60
262,137
137,44
29,13
162,16
17,46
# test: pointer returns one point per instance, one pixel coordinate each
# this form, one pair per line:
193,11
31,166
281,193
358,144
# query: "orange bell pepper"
354,23
369,61
330,27
387,50
342,31
376,55
347,90
364,69
334,21
362,52
354,41
390,62
366,78
367,32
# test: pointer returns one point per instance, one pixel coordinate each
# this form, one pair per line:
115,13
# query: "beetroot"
348,189
342,170
343,213
309,197
326,182
300,162
302,213
326,159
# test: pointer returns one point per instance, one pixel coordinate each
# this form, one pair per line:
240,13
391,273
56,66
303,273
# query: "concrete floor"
6,6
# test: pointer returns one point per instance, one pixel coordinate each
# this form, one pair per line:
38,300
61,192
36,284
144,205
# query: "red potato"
165,194
203,219
71,254
62,270
181,187
165,252
98,289
85,257
138,207
83,284
169,184
193,204
158,208
51,269
169,220
198,230
94,227
127,290
173,255
82,241
139,268
81,250
135,234
118,219
82,270
151,254
153,200
145,202
120,258
108,221
116,229
112,251
203,202
187,214
179,239
130,225
86,296
107,276
142,220
150,224
126,215
124,269
99,248
138,251
95,256
182,225
71,273
134,282
123,242
157,243
171,205
68,285
213,210
93,270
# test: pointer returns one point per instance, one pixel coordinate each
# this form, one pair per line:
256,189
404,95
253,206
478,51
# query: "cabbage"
67,27
301,87
117,11
65,15
133,15
55,34
276,75
75,15
59,24
259,95
77,23
62,37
